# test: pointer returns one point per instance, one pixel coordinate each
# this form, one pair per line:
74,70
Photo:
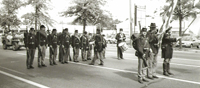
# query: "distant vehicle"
196,43
14,40
111,40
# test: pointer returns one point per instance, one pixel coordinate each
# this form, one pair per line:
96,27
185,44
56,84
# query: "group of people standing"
146,45
147,48
42,39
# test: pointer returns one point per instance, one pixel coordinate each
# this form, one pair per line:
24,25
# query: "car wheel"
198,46
191,46
15,46
4,46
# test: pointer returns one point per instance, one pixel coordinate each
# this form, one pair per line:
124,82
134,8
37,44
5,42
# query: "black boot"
165,69
168,69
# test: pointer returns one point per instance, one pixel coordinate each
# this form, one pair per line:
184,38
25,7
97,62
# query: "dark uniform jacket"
167,49
65,40
153,41
76,43
142,46
41,37
118,36
31,41
53,40
98,44
84,42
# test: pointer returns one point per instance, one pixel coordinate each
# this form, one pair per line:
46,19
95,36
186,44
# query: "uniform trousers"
41,58
84,54
66,55
75,53
31,54
97,55
53,55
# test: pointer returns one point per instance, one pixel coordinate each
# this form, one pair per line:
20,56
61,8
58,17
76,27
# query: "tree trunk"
180,30
84,25
36,16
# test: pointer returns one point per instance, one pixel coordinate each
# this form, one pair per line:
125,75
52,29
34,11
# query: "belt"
146,48
31,43
54,42
66,41
77,43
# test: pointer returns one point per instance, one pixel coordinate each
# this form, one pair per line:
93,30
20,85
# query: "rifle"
40,51
52,50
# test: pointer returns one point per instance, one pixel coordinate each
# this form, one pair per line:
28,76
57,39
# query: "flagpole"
130,19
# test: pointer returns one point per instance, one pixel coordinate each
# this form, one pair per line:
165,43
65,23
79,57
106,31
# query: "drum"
123,46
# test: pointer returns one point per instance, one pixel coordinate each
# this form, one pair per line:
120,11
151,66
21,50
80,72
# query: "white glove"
178,38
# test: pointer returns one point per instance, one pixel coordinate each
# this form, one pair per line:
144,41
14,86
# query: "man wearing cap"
143,53
53,41
98,47
42,41
89,53
153,41
120,37
65,43
76,45
30,44
84,46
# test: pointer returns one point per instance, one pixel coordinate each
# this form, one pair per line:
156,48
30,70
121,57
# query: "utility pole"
180,22
130,13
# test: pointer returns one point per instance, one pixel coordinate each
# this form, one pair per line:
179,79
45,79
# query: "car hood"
187,42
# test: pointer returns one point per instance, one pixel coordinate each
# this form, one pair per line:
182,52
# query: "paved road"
114,74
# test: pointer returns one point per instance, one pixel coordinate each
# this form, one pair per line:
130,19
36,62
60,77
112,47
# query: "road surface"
114,74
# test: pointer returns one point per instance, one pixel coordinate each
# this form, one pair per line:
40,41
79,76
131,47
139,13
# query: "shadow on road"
131,76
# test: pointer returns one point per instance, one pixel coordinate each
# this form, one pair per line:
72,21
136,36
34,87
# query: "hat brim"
152,26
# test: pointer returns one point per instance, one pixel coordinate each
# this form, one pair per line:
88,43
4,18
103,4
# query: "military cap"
98,30
90,33
76,31
66,29
103,35
85,32
144,30
153,25
54,30
42,26
31,29
120,29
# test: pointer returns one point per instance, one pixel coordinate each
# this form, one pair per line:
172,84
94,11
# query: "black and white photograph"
99,43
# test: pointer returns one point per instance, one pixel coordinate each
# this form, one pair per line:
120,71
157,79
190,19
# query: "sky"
118,8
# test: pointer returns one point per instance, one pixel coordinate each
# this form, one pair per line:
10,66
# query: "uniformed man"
98,47
42,44
167,51
104,47
84,46
26,45
76,45
89,53
53,41
65,42
31,44
60,55
120,37
154,44
142,48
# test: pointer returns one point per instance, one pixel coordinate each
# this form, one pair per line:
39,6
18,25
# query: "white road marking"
181,80
13,70
176,79
24,80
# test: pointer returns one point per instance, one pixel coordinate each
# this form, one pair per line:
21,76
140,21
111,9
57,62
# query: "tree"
40,16
85,11
183,10
8,16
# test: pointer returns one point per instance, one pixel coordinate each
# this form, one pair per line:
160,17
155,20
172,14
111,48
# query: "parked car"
196,43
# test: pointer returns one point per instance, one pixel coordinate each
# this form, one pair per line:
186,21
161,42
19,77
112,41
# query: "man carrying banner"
42,41
154,44
167,51
53,41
